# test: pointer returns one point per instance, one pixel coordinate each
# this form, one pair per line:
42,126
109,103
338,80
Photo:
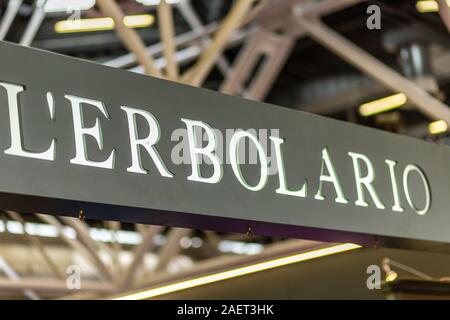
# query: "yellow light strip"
427,6
391,276
102,24
382,105
138,21
238,272
437,127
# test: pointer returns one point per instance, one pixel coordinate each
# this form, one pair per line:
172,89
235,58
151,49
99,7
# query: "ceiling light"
84,25
138,21
426,6
238,272
437,127
382,105
102,24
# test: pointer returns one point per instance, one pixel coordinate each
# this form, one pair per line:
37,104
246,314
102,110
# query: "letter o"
409,168
234,159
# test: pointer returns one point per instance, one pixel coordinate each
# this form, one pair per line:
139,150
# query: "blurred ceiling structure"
316,56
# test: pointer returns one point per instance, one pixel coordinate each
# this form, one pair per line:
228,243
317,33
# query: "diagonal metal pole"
51,285
83,234
12,274
444,11
166,30
129,37
197,74
8,18
172,247
263,43
190,53
138,254
35,23
183,39
195,23
362,60
90,255
269,71
115,226
38,244
256,10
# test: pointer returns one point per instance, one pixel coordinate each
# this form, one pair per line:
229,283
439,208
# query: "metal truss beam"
38,244
14,277
262,44
82,229
275,47
195,23
362,60
89,254
197,74
157,48
166,29
190,53
172,247
129,36
138,253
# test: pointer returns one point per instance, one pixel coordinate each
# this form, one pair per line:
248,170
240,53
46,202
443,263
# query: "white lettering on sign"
234,158
208,151
283,189
331,177
148,142
364,175
366,181
80,132
16,148
409,169
396,207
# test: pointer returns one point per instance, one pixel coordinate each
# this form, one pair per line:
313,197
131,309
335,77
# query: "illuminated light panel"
102,24
45,230
238,272
84,25
138,21
382,105
426,6
437,127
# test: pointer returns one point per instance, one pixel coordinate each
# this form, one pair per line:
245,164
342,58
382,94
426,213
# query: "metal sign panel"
80,136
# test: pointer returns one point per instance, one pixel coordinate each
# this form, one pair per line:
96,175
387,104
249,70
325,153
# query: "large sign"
122,146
